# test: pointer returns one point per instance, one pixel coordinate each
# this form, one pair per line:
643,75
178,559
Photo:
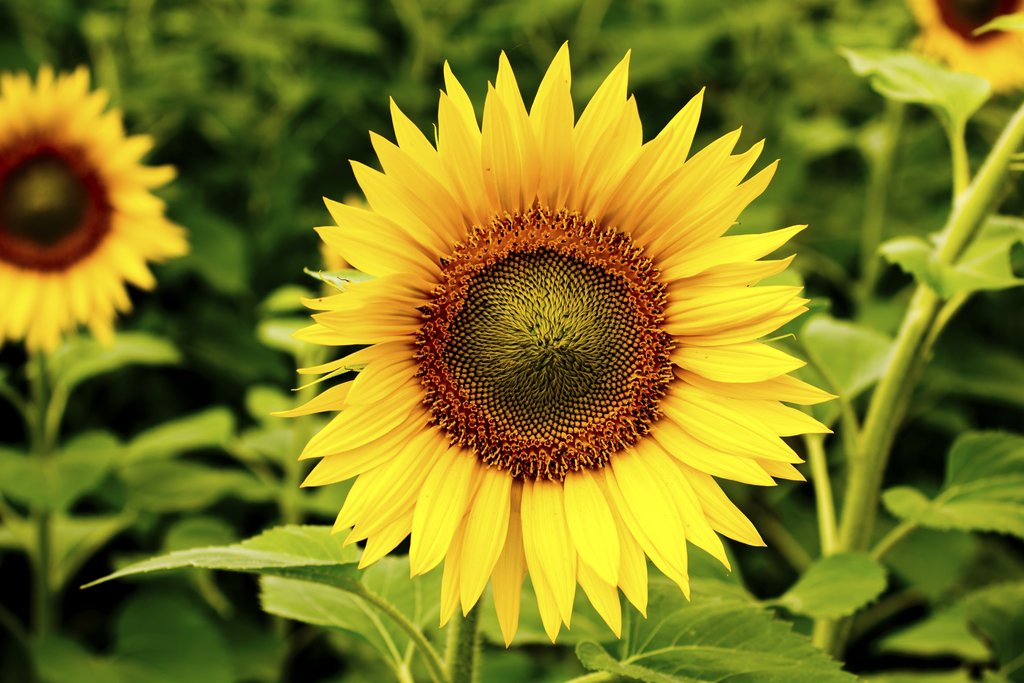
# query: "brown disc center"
964,16
53,208
542,349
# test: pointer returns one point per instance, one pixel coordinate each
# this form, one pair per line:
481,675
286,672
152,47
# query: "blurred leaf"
712,641
277,334
323,605
985,265
218,249
59,659
924,677
941,634
979,370
81,358
56,482
286,299
258,652
933,562
998,613
210,428
197,532
310,553
835,586
906,77
169,486
851,356
1004,22
983,490
263,399
76,539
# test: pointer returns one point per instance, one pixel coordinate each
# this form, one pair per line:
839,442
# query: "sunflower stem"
464,647
429,653
961,163
880,160
822,492
42,447
917,333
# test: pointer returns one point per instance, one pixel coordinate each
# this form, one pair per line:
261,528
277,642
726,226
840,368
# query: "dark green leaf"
56,482
851,356
211,428
168,486
941,634
997,612
80,358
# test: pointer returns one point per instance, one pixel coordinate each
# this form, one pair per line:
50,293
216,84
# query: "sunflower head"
77,218
559,349
947,32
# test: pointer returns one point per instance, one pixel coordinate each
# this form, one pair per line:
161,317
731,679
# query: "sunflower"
77,219
560,349
947,32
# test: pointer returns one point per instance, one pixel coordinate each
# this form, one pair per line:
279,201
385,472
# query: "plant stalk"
970,209
42,446
430,656
464,647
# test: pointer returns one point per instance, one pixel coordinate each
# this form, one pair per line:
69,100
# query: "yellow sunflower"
561,349
77,219
947,32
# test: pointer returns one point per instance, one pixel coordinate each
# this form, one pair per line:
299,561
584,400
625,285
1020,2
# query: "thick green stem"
433,661
917,333
42,445
822,492
880,157
464,647
961,163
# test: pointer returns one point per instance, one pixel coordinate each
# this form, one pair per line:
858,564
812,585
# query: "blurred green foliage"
259,103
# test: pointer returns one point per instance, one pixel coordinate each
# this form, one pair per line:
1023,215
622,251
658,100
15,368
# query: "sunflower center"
964,16
542,349
52,213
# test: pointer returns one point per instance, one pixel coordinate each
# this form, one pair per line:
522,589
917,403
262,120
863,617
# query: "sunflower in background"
77,218
947,33
561,349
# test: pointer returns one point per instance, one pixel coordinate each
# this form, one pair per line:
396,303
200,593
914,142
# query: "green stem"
42,597
961,163
464,647
430,656
875,206
891,539
822,492
909,355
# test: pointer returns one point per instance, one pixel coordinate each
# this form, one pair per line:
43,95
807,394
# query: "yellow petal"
451,577
552,118
728,249
749,362
382,543
591,525
329,399
550,554
381,378
720,511
602,596
682,446
507,577
486,528
716,312
440,508
358,425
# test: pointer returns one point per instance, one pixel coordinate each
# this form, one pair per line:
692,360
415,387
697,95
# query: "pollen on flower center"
542,349
52,213
964,16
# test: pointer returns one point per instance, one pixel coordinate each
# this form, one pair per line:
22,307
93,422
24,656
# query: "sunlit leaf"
58,481
941,634
983,490
310,553
835,586
80,358
851,356
168,486
906,77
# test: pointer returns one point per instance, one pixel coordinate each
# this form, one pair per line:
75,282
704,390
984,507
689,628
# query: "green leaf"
56,482
906,77
997,612
339,279
277,334
286,299
76,539
983,490
1004,22
851,356
681,642
984,265
211,428
170,486
835,586
81,358
942,634
310,553
263,399
320,605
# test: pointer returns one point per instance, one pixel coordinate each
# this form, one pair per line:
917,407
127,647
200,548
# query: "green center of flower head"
42,200
542,350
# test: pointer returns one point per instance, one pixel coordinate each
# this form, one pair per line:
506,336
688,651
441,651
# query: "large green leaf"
983,490
714,640
984,265
56,482
170,486
311,553
388,578
941,634
80,358
906,77
851,356
210,428
835,586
